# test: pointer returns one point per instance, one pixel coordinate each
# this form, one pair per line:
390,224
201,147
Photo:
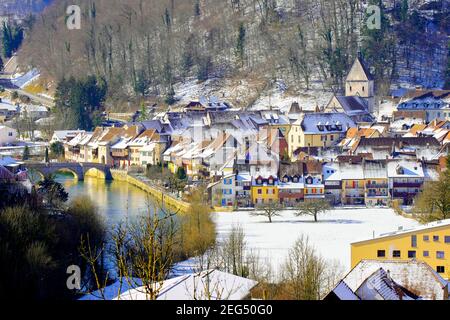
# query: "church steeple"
360,82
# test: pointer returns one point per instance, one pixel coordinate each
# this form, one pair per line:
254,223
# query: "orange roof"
131,132
112,133
352,132
147,133
417,127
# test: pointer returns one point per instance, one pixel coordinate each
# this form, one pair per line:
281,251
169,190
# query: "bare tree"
269,210
313,207
144,252
306,275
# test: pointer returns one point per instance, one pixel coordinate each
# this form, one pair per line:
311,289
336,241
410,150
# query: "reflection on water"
115,200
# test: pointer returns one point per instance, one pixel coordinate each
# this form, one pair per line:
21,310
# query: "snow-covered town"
223,175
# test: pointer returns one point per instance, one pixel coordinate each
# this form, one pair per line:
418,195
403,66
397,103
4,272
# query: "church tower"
361,83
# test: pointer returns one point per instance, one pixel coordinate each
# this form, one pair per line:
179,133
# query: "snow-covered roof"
380,286
351,171
405,169
375,170
353,105
317,123
33,108
206,285
7,106
413,275
121,144
62,134
431,225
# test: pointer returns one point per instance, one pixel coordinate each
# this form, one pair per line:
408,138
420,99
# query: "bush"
198,231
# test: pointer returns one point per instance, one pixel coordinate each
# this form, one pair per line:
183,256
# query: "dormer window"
295,179
286,179
320,126
259,181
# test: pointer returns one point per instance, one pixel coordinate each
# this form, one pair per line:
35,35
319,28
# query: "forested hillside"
142,48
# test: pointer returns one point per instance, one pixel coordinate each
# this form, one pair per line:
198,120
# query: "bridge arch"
79,170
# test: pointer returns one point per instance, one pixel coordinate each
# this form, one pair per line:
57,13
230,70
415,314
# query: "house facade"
429,243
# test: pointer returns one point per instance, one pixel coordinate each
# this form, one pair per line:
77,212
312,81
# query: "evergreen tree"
79,103
7,41
404,11
142,83
197,11
170,97
205,66
26,153
378,46
240,45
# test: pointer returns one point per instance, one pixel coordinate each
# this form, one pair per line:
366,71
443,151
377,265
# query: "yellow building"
429,243
264,191
318,130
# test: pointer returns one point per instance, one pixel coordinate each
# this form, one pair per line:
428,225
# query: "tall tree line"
145,47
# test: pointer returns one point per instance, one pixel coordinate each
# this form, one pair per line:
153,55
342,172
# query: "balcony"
120,153
408,184
377,186
293,195
404,194
355,196
376,195
354,187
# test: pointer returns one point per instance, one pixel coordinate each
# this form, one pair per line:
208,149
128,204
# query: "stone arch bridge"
79,170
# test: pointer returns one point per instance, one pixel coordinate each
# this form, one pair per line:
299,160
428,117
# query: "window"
414,241
396,254
259,191
440,269
426,238
363,88
426,254
10,134
435,238
440,255
447,239
411,254
381,253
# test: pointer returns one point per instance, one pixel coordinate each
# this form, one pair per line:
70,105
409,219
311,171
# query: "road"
5,81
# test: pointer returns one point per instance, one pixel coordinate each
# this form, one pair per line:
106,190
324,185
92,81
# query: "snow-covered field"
331,236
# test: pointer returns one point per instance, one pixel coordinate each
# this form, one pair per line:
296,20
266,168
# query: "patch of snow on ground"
279,97
331,236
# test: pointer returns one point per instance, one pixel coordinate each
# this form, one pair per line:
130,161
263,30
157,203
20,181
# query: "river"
115,200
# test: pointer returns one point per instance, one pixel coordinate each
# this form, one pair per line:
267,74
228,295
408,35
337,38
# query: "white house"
7,135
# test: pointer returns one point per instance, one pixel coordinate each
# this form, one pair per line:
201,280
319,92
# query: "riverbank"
158,194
